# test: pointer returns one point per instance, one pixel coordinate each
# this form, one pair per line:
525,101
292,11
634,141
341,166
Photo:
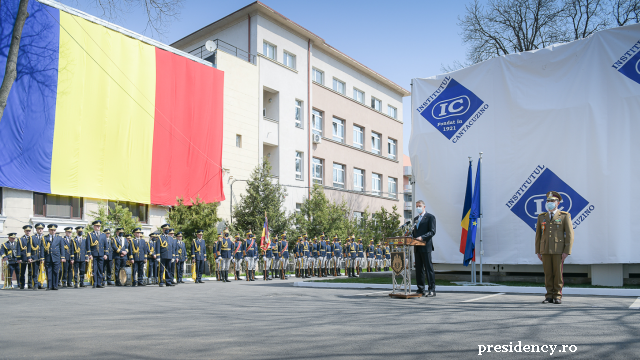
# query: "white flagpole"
480,219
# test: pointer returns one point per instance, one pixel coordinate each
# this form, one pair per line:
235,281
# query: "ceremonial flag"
265,233
474,215
465,212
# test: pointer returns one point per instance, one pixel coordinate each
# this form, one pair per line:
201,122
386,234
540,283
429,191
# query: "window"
338,86
316,171
375,143
48,205
376,183
393,187
338,176
238,140
357,215
358,95
358,180
407,197
299,114
289,59
392,148
298,207
269,50
358,136
299,163
137,210
376,104
318,76
316,122
391,111
338,130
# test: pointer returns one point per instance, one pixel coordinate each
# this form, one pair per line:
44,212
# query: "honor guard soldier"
182,256
119,251
353,252
275,244
96,246
138,257
322,256
315,269
360,262
152,258
387,257
167,256
36,257
25,254
267,257
297,256
53,255
250,251
371,256
218,259
79,257
66,267
337,255
224,253
174,263
329,259
283,250
198,255
378,255
306,254
10,252
554,240
237,257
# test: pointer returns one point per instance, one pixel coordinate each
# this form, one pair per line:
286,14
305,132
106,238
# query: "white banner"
562,118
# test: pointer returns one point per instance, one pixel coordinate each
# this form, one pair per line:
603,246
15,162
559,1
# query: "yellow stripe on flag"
465,221
103,137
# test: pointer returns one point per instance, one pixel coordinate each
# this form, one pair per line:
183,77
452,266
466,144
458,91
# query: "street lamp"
231,201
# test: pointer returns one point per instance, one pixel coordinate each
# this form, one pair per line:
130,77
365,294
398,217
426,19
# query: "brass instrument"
5,275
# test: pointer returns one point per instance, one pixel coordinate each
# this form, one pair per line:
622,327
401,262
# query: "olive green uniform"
554,236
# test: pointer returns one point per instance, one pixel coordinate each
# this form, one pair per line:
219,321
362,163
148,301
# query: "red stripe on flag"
187,134
463,240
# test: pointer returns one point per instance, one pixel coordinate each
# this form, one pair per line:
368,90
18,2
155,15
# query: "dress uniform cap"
179,233
68,228
199,231
171,231
97,222
165,226
137,230
79,227
11,235
128,236
107,231
554,196
39,226
52,226
119,229
27,227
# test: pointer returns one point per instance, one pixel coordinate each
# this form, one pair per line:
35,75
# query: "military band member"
250,250
360,263
53,255
108,261
337,255
120,250
218,259
237,257
198,255
98,248
371,256
167,255
174,260
36,257
66,267
379,261
153,253
267,257
283,251
182,256
25,254
224,252
554,240
328,258
10,252
138,256
79,257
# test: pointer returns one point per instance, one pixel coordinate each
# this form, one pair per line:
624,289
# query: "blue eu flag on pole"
474,215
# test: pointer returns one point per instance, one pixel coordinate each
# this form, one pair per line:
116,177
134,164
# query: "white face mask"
419,210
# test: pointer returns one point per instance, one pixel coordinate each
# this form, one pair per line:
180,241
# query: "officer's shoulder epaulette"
541,214
563,212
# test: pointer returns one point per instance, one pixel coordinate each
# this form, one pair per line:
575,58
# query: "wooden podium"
400,265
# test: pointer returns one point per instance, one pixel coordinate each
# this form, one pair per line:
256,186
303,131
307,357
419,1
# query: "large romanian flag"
96,113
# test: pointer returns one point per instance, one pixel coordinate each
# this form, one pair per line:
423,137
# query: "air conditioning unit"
317,138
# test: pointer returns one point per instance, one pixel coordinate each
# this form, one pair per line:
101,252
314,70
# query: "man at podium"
424,230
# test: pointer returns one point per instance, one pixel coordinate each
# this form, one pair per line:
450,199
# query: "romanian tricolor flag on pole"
465,213
264,241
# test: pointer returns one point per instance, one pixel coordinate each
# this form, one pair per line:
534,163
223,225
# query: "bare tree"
625,12
585,17
159,14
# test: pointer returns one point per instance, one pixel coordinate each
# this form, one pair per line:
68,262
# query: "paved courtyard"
274,320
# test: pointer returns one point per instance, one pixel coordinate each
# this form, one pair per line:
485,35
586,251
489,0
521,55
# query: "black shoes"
555,301
547,301
431,293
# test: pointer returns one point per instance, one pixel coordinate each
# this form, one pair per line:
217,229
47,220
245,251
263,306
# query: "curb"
480,289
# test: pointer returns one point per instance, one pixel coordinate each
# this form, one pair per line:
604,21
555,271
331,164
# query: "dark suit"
97,244
108,262
53,254
426,229
66,268
137,254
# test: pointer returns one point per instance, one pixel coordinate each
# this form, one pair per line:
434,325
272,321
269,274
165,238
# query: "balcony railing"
210,56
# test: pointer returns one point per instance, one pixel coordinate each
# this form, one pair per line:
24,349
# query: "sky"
400,40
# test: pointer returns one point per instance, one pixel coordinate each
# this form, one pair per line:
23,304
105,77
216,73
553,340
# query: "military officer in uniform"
360,261
353,252
79,257
10,252
371,256
283,251
224,253
275,273
337,255
167,256
138,257
97,247
386,251
53,255
328,258
25,254
119,249
306,255
174,262
297,255
268,260
554,239
108,261
36,257
182,256
250,250
315,256
153,253
237,257
378,253
66,267
218,259
198,255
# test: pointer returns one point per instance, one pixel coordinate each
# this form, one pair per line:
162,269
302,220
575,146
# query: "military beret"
11,235
137,230
107,231
199,231
554,196
165,226
52,226
68,228
27,227
80,228
39,226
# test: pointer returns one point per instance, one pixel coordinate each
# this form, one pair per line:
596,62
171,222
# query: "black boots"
226,276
